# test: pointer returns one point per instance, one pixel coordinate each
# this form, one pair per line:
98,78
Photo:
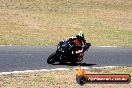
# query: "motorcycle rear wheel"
52,58
74,61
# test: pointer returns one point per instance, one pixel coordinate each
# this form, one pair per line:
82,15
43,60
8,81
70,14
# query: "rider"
80,42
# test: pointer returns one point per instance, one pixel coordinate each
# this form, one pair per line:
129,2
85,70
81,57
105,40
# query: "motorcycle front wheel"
52,58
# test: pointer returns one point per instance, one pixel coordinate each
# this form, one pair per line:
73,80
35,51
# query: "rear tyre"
52,58
62,62
74,62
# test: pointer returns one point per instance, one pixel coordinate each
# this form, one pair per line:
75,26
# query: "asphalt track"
20,58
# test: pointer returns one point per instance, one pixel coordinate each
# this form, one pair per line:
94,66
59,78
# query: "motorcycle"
66,52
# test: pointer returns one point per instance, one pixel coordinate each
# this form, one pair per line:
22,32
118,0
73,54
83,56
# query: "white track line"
47,70
33,71
105,46
106,67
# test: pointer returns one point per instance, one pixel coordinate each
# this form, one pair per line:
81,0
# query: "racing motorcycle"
67,52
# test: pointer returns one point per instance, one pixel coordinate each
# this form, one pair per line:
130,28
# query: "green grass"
41,22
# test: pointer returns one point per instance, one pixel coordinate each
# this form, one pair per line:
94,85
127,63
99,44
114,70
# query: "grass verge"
41,22
60,79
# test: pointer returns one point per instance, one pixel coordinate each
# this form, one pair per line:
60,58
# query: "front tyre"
52,58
